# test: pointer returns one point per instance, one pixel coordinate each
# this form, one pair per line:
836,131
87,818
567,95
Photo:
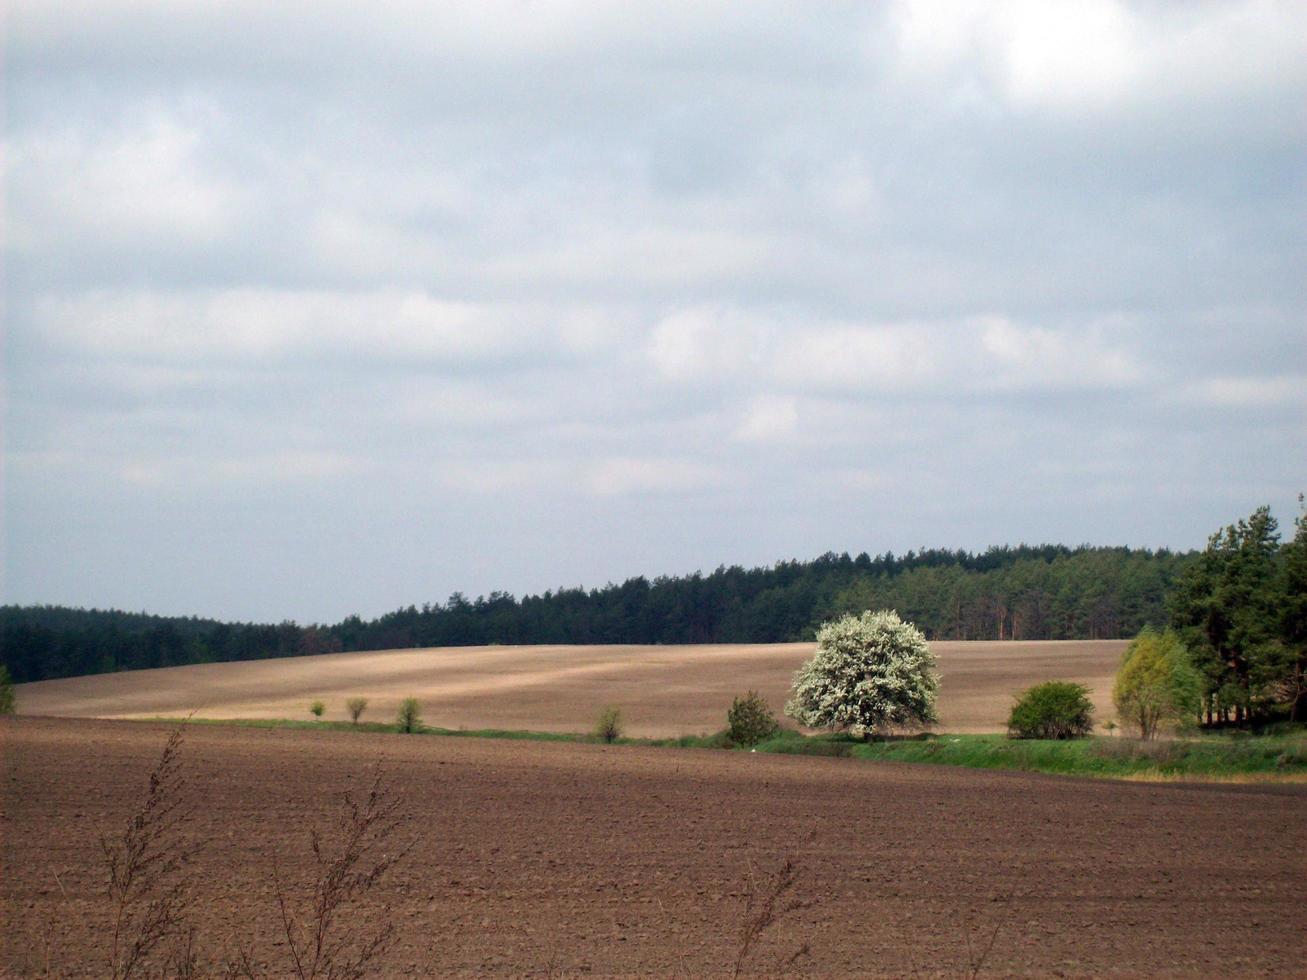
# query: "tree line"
1044,592
1240,608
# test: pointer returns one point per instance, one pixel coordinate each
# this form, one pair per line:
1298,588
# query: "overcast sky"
317,308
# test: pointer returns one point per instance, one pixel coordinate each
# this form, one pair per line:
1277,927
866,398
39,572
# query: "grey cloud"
492,296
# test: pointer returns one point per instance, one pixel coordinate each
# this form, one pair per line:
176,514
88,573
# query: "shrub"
1054,709
1156,684
317,707
609,725
6,691
870,673
750,720
355,707
409,720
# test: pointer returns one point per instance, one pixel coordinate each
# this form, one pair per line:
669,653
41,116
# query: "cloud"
989,353
1258,392
497,476
1099,54
259,468
119,185
1039,357
256,324
626,475
769,419
684,283
706,343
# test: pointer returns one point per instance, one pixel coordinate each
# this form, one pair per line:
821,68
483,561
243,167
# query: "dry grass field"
663,691
561,859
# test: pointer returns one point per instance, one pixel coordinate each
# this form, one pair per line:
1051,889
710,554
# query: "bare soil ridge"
663,691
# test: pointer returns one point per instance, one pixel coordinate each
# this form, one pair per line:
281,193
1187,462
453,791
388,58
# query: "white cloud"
1040,357
283,466
720,348
769,419
495,476
1095,54
706,343
146,180
452,403
194,325
1248,392
626,475
874,358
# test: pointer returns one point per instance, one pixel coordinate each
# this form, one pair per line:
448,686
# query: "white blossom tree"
870,673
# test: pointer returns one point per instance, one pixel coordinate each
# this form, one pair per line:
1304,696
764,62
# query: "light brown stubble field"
663,691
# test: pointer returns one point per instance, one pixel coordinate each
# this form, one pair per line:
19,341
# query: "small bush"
317,707
1054,709
408,720
750,720
609,725
355,707
6,691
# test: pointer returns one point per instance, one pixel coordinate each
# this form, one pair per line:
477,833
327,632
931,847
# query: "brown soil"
582,859
662,690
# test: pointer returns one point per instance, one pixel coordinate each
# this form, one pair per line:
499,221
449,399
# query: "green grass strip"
1215,756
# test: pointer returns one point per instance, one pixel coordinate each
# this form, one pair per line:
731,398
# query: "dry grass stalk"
767,903
318,946
148,892
976,961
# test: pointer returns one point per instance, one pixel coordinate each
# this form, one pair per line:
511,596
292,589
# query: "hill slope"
662,690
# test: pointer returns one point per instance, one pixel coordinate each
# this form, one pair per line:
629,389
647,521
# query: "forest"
1004,593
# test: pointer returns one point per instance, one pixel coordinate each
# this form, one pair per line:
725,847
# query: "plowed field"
567,859
662,690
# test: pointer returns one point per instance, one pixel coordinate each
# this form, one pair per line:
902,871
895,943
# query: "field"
663,691
566,859
562,859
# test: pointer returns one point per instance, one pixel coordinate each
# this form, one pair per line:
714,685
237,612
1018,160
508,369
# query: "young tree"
6,692
1156,683
609,724
317,708
750,720
870,672
355,706
409,720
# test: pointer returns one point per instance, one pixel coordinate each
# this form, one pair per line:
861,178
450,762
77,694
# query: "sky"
315,309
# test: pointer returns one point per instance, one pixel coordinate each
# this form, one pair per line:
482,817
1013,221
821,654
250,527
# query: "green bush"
317,707
408,720
6,691
1054,709
609,725
750,720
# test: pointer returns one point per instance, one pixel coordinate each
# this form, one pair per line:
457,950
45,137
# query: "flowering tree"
870,673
